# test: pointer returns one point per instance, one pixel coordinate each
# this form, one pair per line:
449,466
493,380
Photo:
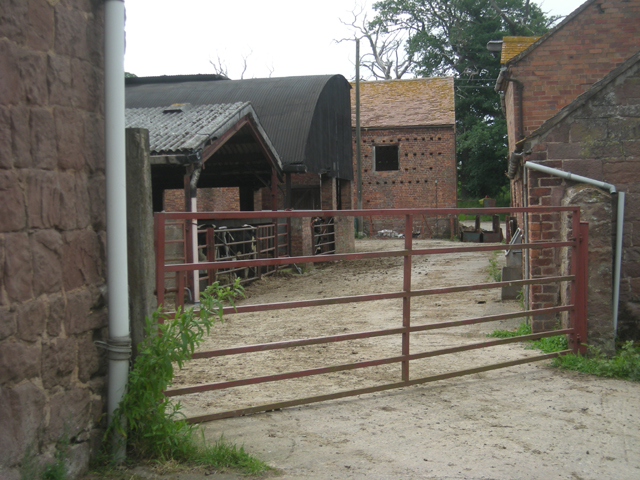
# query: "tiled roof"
184,128
404,103
512,46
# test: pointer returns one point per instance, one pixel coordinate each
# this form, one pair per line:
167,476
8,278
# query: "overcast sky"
278,38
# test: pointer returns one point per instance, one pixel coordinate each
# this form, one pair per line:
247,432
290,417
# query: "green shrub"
625,364
152,425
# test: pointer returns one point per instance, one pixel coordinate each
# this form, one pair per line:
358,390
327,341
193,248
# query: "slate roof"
184,128
512,46
405,103
306,118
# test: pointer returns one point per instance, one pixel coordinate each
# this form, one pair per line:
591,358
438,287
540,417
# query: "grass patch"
556,343
493,270
624,365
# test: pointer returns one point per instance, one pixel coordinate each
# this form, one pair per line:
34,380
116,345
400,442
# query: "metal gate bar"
576,307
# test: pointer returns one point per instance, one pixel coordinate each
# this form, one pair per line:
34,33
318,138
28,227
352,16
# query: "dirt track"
525,422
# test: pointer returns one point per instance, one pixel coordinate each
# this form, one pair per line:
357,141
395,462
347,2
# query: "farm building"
570,98
306,119
408,148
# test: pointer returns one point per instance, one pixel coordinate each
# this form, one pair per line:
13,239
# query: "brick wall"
600,140
576,56
52,231
426,155
209,200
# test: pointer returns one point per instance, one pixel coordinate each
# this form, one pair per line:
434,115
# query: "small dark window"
386,158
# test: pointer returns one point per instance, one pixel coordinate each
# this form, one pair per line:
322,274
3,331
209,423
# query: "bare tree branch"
220,68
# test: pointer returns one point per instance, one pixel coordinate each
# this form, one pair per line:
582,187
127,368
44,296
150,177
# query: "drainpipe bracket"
118,348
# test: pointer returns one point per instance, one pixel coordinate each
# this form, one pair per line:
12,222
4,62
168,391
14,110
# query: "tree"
449,37
387,58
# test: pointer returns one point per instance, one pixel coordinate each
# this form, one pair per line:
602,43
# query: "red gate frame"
576,331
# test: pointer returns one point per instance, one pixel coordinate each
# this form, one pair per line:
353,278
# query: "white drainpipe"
619,226
119,343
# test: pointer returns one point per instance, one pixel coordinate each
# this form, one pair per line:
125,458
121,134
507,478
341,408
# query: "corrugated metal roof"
404,103
183,130
299,114
512,46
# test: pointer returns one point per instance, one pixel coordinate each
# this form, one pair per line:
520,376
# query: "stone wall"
52,231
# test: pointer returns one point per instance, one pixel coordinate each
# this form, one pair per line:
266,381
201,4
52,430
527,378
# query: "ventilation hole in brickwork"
406,154
399,139
377,183
414,168
409,181
365,170
385,183
415,154
407,139
422,154
393,182
430,168
368,201
417,181
401,181
415,139
406,169
439,153
423,139
431,153
369,183
439,138
366,156
383,141
431,138
425,180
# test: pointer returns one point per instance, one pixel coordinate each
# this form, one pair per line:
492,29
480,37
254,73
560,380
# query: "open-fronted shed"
221,145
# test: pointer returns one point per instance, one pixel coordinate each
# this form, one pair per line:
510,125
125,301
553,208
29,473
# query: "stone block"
43,199
86,81
585,167
18,275
19,362
58,362
79,457
71,32
43,139
57,314
587,131
97,202
33,68
78,309
23,410
70,135
13,217
13,19
11,91
6,153
8,324
59,80
94,142
83,260
70,413
32,318
20,136
88,357
74,201
40,25
46,250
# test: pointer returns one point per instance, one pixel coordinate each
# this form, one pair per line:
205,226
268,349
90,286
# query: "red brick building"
558,116
408,148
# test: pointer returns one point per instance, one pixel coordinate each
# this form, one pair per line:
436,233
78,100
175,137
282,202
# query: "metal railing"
575,308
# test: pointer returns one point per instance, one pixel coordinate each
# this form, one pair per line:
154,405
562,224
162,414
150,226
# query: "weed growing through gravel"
493,270
556,343
155,426
625,364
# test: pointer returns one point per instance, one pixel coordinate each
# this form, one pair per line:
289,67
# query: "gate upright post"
158,226
406,301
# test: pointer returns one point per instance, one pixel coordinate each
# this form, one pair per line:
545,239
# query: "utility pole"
358,142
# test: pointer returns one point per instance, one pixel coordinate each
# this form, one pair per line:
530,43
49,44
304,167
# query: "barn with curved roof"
307,119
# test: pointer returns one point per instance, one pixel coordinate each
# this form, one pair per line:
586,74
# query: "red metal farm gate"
575,307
